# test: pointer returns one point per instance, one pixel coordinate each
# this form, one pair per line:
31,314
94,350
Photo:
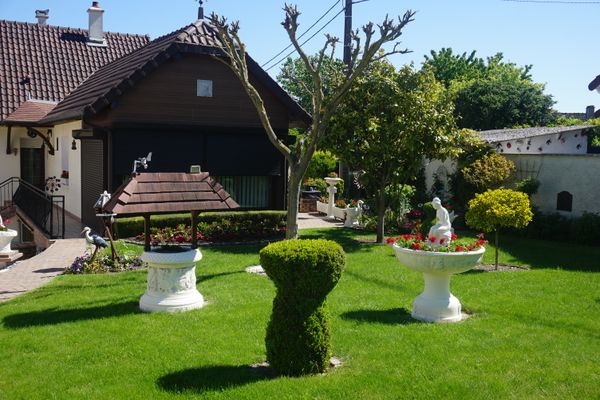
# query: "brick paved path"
36,271
314,220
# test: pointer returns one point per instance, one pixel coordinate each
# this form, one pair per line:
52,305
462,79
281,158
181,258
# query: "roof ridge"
79,30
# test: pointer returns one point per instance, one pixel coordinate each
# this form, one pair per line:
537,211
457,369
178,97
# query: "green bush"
133,226
304,272
215,226
587,228
321,164
529,186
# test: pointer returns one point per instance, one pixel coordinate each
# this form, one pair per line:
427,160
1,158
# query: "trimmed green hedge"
304,272
237,224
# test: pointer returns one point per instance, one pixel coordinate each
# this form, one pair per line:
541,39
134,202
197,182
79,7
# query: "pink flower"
416,246
432,239
460,248
481,236
442,240
407,236
390,240
454,236
8,221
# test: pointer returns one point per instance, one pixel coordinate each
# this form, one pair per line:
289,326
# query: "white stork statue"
95,240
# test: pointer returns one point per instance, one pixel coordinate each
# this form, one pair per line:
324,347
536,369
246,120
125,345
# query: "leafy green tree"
324,101
491,93
398,117
500,208
322,163
491,171
295,78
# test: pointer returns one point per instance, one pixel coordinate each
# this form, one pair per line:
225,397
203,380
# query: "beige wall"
63,158
66,159
10,164
576,174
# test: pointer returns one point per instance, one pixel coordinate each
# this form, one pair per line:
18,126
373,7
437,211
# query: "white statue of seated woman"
442,227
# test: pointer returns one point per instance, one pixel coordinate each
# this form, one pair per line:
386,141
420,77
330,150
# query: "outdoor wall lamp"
73,145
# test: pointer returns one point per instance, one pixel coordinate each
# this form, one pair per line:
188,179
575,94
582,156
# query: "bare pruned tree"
324,105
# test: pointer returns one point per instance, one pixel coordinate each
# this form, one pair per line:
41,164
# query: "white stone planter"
353,215
171,281
436,303
5,238
339,213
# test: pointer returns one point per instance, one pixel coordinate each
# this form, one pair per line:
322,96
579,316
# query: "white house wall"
10,164
56,164
573,142
576,174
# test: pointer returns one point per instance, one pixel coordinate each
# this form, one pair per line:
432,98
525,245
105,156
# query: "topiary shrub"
304,272
500,208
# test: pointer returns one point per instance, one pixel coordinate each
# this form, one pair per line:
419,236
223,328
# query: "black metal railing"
46,211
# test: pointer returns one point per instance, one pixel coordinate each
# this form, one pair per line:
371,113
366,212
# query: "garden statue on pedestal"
442,228
7,255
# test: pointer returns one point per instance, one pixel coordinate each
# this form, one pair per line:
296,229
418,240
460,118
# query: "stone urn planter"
436,303
5,238
331,191
171,281
353,215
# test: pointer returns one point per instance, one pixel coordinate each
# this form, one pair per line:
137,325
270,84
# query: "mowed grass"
532,334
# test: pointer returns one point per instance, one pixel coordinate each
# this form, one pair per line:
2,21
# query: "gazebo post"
146,232
194,229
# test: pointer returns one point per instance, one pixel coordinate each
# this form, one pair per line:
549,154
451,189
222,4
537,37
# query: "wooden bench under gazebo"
171,272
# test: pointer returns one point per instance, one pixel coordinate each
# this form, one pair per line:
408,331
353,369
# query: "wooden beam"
44,138
8,147
194,229
146,232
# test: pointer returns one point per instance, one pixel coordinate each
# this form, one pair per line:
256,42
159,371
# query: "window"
248,191
564,201
204,88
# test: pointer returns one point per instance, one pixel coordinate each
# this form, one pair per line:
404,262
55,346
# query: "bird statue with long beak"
95,240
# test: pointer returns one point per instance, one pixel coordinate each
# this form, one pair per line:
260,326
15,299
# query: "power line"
307,40
553,1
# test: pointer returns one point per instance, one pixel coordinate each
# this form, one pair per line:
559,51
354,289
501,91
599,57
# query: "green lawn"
533,334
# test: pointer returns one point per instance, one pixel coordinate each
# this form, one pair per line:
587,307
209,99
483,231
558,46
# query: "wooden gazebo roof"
169,193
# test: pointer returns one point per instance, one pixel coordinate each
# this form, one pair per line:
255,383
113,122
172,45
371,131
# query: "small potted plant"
64,177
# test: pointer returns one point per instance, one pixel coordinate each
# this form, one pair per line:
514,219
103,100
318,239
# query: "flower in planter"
3,227
64,174
416,242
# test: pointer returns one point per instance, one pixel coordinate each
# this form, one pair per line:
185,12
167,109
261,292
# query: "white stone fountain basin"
5,238
436,303
171,281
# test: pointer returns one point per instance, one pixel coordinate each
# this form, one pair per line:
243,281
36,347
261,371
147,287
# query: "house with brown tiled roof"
40,64
172,96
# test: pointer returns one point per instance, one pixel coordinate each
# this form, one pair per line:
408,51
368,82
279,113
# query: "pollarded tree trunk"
380,215
293,198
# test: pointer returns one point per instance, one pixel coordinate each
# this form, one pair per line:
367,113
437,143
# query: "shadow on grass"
546,254
394,316
379,282
212,378
54,316
345,237
203,278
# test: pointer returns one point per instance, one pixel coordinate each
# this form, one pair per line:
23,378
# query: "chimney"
95,31
589,112
201,10
42,16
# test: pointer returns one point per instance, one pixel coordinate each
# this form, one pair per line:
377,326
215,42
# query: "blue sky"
560,40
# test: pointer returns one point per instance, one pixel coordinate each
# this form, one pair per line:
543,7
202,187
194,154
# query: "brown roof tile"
169,193
47,62
31,111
